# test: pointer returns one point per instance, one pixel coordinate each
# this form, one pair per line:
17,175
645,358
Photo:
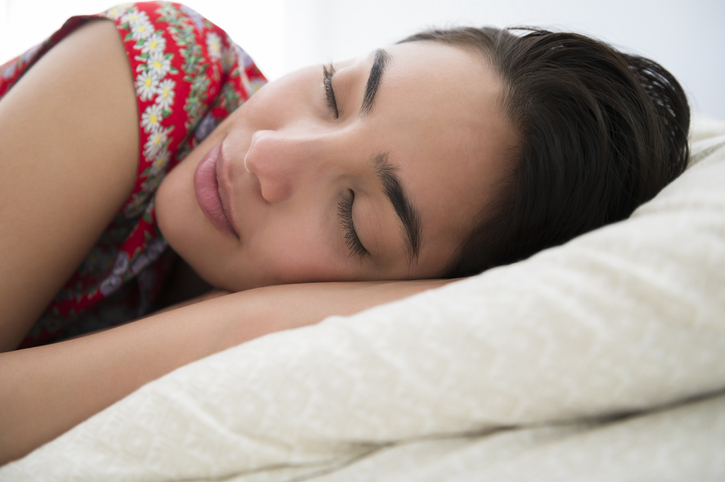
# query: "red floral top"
189,76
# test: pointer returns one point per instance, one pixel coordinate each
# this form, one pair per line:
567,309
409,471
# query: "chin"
177,216
166,210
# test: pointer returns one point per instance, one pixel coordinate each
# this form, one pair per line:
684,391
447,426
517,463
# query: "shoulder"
69,149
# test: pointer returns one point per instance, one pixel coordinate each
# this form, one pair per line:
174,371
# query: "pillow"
625,319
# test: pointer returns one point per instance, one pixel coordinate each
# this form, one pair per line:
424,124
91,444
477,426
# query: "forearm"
44,391
47,390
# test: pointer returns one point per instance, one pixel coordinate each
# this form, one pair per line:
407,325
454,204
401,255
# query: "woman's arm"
69,153
46,390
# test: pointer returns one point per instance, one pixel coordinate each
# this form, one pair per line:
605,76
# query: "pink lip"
209,192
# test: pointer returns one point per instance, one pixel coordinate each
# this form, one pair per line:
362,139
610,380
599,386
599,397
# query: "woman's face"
378,171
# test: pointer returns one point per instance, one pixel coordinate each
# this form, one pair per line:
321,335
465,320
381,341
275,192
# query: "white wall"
685,36
256,25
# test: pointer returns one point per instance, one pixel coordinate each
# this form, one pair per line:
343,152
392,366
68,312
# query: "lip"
210,193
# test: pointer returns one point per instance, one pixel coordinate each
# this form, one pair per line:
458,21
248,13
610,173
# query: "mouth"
211,194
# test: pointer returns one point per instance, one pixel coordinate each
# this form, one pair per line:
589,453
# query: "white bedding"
511,375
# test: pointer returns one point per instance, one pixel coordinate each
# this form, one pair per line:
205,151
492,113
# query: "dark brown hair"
600,132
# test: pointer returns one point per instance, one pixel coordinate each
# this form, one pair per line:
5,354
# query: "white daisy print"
155,43
155,142
159,64
228,58
159,164
134,17
146,84
165,92
115,12
110,284
214,45
151,118
142,30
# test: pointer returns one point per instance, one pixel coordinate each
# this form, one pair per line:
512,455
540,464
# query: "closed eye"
328,71
344,209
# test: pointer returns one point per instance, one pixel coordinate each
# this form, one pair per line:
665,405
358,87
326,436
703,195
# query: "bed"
602,359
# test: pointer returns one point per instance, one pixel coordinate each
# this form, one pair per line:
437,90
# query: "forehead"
439,111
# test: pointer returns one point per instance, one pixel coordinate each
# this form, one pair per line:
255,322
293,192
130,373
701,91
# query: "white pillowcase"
626,318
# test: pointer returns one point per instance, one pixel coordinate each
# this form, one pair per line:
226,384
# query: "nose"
279,161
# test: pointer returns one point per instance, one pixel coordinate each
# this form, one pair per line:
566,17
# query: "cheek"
280,101
297,252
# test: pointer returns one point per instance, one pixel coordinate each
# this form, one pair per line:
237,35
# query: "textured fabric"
189,76
514,374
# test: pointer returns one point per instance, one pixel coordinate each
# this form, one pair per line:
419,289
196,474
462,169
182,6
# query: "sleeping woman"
139,171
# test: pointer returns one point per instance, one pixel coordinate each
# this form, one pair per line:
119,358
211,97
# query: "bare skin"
287,161
48,225
47,390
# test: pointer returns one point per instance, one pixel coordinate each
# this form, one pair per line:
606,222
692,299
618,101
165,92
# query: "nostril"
273,191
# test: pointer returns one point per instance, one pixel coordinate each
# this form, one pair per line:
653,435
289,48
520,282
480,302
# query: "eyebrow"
409,216
376,74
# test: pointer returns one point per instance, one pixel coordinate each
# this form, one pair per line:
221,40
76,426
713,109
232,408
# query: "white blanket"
515,374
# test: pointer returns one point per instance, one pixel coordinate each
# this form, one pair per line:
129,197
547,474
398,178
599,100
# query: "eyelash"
344,209
328,71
